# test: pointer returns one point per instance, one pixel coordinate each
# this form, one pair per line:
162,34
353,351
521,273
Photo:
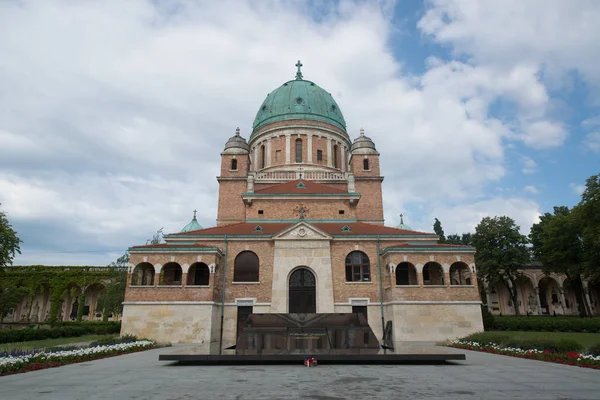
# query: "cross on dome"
194,214
299,73
237,131
362,132
401,218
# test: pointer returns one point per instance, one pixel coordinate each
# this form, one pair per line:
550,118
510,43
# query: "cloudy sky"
113,113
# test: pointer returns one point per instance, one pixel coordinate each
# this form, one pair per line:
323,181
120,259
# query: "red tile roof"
418,246
332,228
162,245
362,228
290,188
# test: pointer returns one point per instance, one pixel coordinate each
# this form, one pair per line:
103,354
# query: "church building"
300,229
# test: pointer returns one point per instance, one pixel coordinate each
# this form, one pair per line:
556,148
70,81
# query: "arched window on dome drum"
298,150
358,267
246,267
234,164
366,164
335,156
262,156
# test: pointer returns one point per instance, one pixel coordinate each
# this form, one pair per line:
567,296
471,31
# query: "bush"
545,324
594,350
62,329
488,318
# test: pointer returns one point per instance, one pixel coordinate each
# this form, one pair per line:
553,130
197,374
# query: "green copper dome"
403,225
193,225
299,99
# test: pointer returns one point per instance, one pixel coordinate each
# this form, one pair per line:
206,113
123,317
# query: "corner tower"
364,165
235,164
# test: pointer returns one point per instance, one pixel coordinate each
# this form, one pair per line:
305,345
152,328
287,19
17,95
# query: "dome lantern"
363,145
236,144
193,225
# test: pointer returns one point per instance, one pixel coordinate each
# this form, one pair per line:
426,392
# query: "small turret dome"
299,99
403,225
193,225
236,144
363,145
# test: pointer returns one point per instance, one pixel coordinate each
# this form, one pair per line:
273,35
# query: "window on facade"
245,267
234,165
170,274
357,267
341,212
261,212
262,156
460,274
433,274
406,274
335,156
360,310
366,164
319,155
299,150
143,275
198,274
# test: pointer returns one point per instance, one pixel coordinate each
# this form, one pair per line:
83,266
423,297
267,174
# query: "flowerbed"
567,357
12,364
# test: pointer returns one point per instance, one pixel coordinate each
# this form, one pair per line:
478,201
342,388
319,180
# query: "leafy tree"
111,302
437,228
501,253
10,294
9,242
156,239
464,239
588,215
556,243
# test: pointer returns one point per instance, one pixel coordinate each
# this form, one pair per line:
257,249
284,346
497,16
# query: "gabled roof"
300,187
240,228
331,228
362,228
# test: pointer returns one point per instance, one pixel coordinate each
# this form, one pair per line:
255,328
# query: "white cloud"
113,120
555,35
592,141
529,165
465,217
531,189
591,122
576,188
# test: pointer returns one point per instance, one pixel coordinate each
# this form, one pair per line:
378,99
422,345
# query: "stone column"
255,167
538,302
309,155
488,297
419,275
329,152
586,293
562,299
343,158
250,183
268,150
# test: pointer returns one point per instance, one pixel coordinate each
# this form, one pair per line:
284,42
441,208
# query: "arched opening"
358,268
246,267
198,275
406,274
262,156
298,150
366,164
335,156
460,274
143,275
549,296
170,274
94,299
302,292
234,164
433,274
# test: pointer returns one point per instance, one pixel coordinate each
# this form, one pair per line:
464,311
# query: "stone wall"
434,321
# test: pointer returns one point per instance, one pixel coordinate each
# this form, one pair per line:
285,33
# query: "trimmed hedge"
556,346
62,329
544,324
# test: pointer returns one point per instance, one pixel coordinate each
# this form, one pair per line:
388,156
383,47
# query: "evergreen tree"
437,228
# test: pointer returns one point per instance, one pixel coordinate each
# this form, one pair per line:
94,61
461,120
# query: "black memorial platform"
330,338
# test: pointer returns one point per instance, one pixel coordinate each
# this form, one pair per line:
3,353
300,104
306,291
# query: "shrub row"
66,329
556,346
542,324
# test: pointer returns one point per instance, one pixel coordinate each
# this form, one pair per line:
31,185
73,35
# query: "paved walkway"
141,376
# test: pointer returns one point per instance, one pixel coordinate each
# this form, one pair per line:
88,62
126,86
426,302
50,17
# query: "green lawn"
49,343
586,339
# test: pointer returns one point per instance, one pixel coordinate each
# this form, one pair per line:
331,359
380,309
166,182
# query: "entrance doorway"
302,292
